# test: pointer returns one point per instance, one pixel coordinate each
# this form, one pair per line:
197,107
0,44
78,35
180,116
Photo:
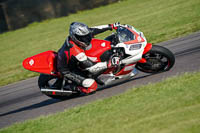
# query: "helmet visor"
85,39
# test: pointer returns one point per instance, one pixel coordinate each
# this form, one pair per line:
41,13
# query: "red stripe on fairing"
147,48
123,72
143,60
136,38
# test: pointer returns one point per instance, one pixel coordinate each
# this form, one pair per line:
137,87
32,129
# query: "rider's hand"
115,25
114,62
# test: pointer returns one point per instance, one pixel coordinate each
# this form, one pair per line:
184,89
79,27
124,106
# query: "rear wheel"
159,59
53,83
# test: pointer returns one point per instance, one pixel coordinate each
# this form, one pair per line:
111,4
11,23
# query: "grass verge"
171,106
159,20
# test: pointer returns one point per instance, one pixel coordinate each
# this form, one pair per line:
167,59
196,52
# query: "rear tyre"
159,59
52,82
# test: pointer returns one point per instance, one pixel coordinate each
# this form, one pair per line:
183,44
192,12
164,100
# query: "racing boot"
89,86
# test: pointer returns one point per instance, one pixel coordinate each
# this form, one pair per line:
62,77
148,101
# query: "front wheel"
159,59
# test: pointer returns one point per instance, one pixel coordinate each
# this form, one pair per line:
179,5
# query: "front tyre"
159,59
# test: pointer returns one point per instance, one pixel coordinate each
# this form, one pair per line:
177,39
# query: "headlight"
135,47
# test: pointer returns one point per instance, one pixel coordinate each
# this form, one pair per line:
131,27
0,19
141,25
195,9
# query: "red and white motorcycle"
127,43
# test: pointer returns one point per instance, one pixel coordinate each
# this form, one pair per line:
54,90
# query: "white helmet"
80,34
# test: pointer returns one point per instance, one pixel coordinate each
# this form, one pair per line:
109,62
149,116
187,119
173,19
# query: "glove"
115,25
114,62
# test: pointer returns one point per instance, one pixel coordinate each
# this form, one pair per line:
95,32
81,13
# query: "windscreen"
125,35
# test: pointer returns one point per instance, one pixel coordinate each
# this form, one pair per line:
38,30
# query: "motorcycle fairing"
43,63
138,38
126,70
130,35
147,48
99,51
125,73
134,47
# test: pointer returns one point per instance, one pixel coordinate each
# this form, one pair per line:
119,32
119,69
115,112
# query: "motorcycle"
128,44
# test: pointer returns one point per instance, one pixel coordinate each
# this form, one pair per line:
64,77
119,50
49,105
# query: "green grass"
171,106
160,20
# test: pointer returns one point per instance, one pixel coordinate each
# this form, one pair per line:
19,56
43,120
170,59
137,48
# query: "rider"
72,59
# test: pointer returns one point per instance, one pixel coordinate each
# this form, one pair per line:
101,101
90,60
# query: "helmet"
80,34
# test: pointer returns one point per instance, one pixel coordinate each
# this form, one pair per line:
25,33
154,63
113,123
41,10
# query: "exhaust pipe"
56,92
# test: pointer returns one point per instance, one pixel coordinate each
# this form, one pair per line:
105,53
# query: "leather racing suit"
72,61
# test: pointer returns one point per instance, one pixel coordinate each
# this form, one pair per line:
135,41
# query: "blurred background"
16,14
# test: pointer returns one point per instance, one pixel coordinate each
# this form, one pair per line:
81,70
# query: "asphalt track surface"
23,100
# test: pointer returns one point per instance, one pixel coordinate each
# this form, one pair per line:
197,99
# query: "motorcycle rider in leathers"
72,59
